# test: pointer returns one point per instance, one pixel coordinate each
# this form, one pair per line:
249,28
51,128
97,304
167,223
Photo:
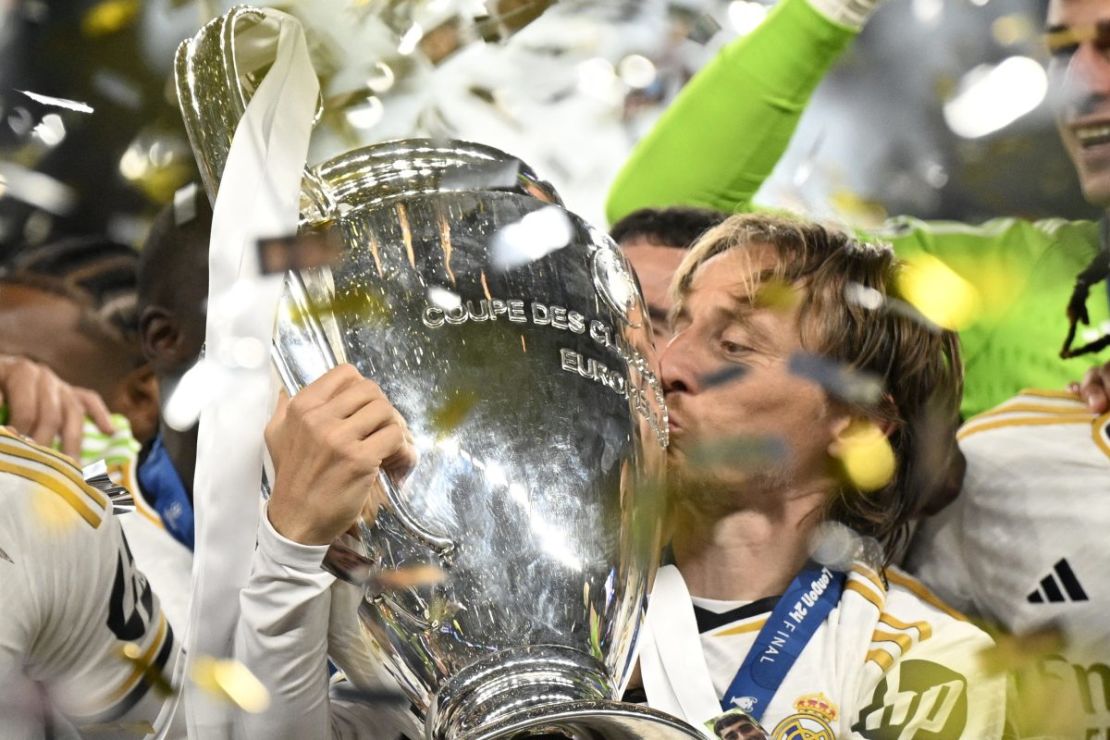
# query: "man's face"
47,328
1080,74
655,266
719,428
741,729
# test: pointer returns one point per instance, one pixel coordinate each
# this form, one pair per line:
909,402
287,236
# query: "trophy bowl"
513,338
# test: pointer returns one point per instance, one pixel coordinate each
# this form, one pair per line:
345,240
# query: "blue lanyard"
163,488
802,609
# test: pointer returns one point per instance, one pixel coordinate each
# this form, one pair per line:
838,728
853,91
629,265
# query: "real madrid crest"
814,720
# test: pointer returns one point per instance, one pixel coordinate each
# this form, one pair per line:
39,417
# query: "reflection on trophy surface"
513,338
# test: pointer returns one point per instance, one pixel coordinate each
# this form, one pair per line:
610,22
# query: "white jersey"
294,615
889,661
71,599
1024,545
166,563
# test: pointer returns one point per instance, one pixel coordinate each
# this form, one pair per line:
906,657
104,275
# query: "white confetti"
538,234
444,298
74,105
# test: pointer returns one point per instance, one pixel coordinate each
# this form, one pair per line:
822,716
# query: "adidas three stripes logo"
1049,589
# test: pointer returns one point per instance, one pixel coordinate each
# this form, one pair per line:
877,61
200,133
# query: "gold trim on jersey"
59,485
918,589
752,624
865,592
1050,393
1030,408
923,628
47,458
1100,433
881,658
869,574
140,667
1031,421
129,472
867,583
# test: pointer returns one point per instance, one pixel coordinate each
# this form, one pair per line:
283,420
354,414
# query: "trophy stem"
514,682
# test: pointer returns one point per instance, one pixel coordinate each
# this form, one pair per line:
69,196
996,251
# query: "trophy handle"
216,72
301,353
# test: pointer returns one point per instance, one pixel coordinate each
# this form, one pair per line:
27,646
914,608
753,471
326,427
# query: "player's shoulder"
1062,411
896,614
47,484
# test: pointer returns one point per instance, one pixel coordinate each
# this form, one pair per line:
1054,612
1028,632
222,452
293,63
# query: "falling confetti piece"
1012,653
722,377
109,16
453,412
941,295
53,515
703,29
410,577
445,299
777,295
58,102
866,457
838,380
835,545
749,454
346,691
539,233
232,682
493,175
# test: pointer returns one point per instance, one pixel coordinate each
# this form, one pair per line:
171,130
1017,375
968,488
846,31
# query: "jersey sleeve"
923,675
936,556
282,638
81,620
722,136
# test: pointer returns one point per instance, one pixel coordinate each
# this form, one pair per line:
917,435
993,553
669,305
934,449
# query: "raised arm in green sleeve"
1023,273
724,133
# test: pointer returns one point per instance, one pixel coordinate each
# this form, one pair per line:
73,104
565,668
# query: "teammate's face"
740,420
1080,73
655,266
47,328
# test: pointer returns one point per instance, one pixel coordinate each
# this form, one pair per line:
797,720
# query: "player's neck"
746,553
182,450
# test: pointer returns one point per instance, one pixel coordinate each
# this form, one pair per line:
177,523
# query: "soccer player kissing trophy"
513,338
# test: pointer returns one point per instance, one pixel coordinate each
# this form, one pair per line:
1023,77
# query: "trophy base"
590,720
541,690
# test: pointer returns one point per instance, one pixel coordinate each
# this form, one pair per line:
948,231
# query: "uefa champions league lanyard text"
802,609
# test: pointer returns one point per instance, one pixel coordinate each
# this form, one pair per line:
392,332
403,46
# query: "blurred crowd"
888,439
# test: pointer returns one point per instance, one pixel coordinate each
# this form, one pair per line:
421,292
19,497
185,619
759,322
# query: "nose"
679,364
1090,67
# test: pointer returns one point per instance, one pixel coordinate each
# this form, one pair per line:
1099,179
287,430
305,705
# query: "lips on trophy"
529,389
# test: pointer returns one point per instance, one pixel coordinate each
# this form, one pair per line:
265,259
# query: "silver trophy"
513,338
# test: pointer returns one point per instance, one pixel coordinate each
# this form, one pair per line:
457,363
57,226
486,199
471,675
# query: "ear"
139,402
160,337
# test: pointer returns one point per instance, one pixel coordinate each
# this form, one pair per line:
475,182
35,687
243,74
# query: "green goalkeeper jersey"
722,136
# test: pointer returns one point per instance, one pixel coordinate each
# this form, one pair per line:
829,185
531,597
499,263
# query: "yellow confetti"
453,411
1020,652
938,292
865,456
109,16
232,682
777,295
53,514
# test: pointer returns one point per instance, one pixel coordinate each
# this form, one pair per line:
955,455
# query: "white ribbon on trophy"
258,198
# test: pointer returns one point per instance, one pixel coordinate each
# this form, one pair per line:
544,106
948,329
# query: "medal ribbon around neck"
809,599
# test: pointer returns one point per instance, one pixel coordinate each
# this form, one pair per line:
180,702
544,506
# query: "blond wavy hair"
917,362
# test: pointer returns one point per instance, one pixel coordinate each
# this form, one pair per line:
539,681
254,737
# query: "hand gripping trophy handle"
216,72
